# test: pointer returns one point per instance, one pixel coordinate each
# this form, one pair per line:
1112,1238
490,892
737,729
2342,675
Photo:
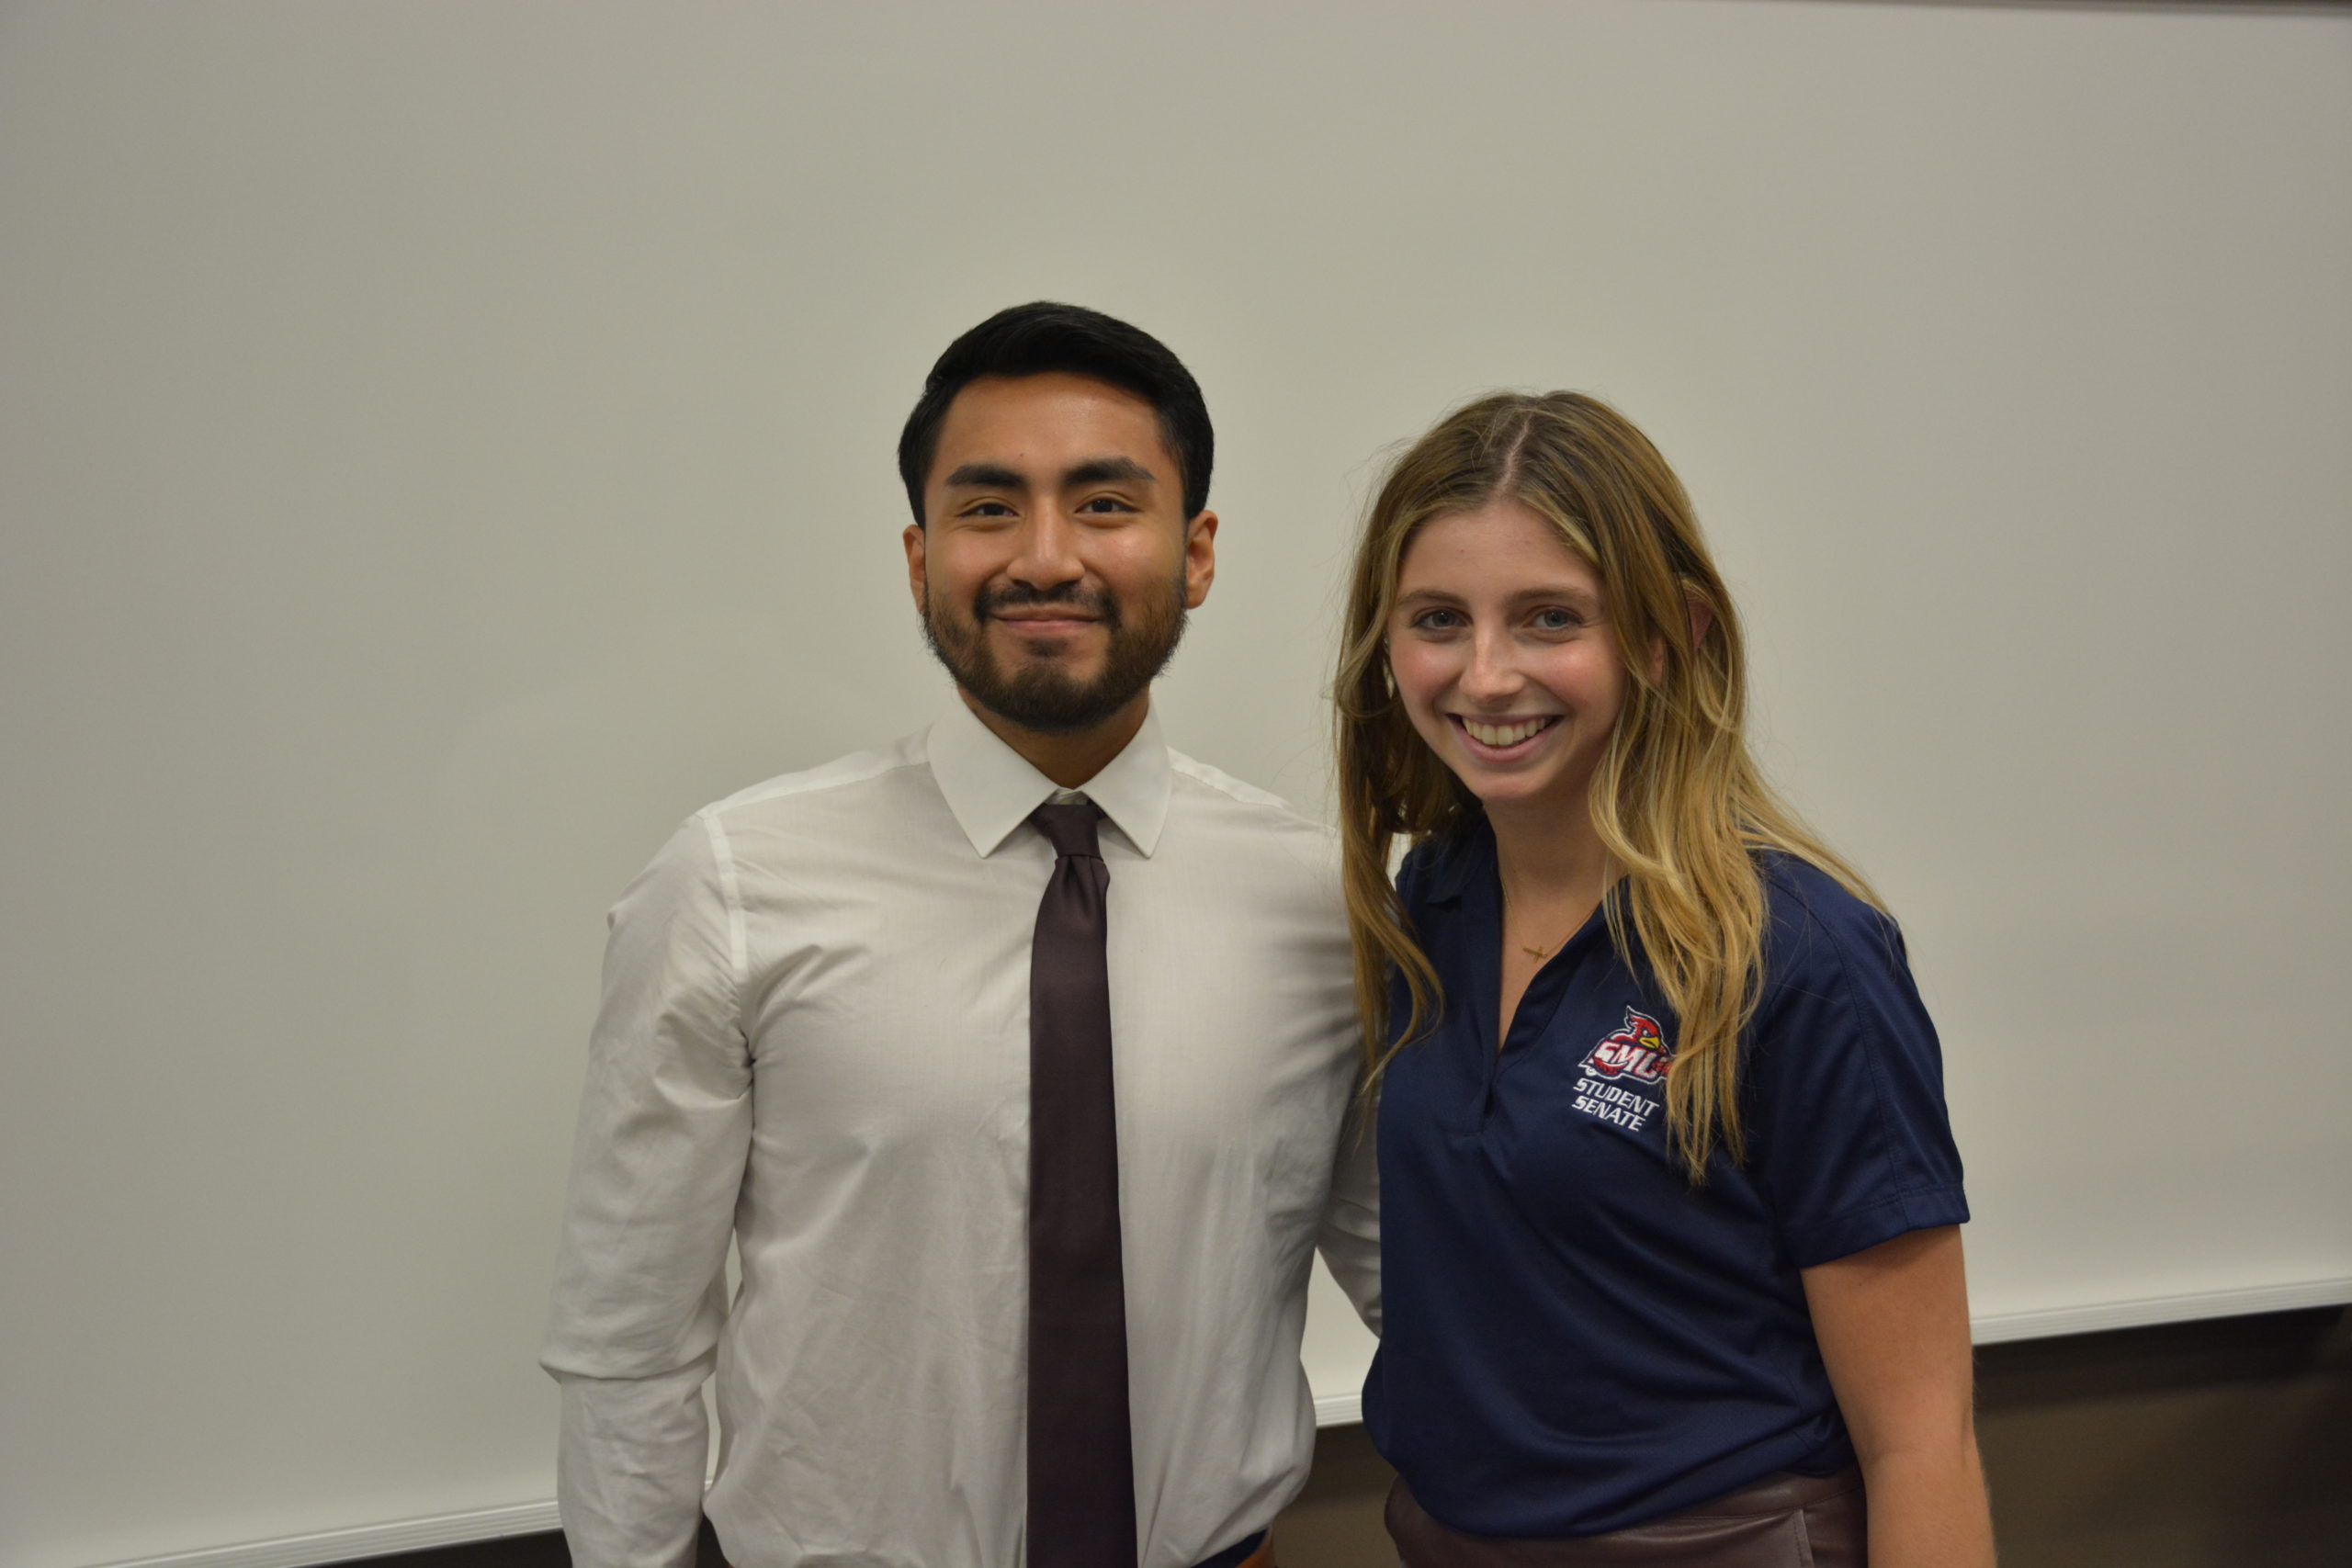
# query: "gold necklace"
1540,954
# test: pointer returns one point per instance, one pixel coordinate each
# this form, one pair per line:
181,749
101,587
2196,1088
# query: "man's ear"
917,580
1200,559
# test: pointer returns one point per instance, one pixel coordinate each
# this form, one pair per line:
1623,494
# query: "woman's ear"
1703,621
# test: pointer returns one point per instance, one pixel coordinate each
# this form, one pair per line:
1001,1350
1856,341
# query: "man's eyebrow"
1108,470
985,475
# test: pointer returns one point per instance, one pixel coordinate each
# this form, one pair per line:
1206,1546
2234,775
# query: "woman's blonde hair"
1676,799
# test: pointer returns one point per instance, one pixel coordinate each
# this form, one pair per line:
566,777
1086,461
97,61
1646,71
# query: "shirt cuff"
1843,1235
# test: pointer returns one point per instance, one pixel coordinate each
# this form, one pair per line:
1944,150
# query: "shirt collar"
993,789
1457,857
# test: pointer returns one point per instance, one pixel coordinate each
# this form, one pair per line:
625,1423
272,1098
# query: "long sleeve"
1349,1237
665,1123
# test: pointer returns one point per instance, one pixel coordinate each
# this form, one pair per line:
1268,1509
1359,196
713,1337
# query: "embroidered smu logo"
1638,1050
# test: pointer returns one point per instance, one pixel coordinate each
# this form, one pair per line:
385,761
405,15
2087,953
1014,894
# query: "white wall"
442,445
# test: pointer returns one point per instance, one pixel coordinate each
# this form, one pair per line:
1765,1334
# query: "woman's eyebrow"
1568,590
1582,597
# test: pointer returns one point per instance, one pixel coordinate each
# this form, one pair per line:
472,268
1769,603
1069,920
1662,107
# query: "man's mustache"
1065,596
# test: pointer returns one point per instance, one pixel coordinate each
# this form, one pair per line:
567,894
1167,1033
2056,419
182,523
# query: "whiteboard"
444,445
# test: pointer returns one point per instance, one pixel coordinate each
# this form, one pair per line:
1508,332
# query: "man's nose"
1046,556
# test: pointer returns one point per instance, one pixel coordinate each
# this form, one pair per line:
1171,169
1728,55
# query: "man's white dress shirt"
815,1038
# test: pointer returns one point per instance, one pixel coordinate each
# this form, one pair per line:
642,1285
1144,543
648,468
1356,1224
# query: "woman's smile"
1504,739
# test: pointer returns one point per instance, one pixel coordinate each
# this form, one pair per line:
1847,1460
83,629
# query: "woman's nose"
1493,675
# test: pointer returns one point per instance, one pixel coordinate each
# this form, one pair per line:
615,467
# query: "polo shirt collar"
993,789
1461,855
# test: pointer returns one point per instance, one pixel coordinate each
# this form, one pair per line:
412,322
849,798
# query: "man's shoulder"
803,819
1244,802
846,782
1256,835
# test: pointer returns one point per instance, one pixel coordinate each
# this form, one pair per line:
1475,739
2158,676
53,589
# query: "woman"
1671,1262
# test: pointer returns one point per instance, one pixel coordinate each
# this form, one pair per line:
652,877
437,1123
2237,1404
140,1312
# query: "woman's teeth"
1503,734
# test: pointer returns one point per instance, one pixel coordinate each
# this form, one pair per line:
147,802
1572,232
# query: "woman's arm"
1892,1324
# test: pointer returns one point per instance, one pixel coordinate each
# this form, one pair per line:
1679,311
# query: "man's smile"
1040,622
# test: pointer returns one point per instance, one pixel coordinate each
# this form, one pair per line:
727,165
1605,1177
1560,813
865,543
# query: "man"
1015,1059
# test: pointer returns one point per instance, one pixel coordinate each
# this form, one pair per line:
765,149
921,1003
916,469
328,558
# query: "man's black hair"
1043,338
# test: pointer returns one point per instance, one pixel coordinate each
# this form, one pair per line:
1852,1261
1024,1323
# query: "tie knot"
1070,828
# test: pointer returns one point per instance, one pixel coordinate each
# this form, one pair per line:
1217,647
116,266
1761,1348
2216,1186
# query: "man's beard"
1041,697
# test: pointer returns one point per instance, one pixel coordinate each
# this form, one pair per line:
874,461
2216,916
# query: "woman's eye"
1438,620
1557,620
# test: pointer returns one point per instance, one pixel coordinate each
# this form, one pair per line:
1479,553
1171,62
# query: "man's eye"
988,508
1106,503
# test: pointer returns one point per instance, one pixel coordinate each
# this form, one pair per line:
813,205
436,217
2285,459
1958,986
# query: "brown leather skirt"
1785,1521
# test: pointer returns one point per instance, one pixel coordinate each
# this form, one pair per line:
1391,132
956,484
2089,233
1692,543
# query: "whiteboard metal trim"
365,1541
1345,1409
1330,1410
2060,1321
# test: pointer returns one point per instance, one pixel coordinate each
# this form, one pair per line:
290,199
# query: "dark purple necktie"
1081,1457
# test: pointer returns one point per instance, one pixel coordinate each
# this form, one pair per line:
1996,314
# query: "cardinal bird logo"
1638,1050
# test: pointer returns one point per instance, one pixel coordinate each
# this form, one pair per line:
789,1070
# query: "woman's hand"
1892,1324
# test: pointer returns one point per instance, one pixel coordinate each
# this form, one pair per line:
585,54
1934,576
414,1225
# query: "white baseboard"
1330,1410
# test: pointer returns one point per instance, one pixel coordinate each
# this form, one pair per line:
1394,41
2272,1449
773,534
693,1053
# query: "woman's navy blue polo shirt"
1575,1339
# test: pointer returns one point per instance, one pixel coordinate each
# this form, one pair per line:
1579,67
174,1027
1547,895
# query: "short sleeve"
1850,1142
